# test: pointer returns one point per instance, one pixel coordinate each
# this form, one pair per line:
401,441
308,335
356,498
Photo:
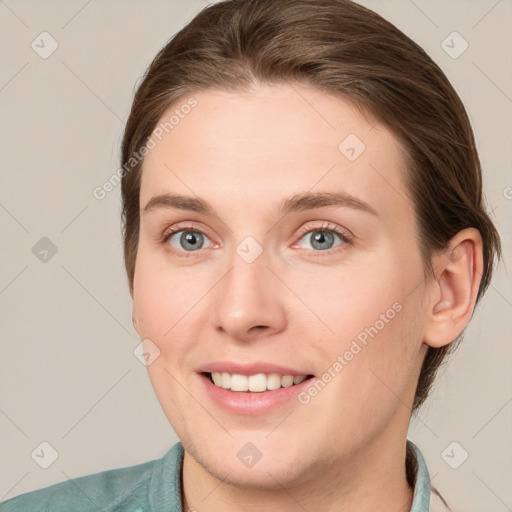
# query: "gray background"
68,375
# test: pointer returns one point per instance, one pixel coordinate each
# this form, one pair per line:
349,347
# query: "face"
276,248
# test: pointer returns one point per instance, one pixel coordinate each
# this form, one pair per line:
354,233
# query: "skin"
294,305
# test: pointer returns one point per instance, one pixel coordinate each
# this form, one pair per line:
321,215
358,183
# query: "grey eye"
321,240
188,240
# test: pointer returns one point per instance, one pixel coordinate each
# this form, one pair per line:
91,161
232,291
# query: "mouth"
256,383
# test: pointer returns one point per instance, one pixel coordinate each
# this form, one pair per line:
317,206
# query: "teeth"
226,380
256,383
239,382
273,381
287,381
217,379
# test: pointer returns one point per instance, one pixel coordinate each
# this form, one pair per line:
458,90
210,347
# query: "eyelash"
325,227
170,232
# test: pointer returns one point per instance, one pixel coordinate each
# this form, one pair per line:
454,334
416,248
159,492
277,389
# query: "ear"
135,320
454,288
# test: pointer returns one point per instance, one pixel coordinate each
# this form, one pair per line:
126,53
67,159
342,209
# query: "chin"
258,465
265,475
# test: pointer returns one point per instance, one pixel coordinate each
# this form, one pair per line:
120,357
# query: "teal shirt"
150,487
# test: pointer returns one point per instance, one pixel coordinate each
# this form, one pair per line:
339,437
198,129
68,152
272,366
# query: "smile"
257,383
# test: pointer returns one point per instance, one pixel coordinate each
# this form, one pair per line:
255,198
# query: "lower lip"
251,403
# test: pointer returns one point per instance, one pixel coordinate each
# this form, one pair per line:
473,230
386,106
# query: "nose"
249,301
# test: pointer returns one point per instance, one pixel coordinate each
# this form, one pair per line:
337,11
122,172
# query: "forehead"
270,142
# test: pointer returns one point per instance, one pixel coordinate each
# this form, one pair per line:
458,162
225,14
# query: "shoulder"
100,491
114,490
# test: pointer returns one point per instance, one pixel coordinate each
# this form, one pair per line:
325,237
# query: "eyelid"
345,235
176,228
185,226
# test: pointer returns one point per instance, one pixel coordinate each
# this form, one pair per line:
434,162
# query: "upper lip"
250,368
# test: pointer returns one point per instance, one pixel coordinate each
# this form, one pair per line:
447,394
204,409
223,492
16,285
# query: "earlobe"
135,323
458,272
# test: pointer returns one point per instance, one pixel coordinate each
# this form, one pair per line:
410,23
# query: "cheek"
380,375
367,375
352,298
162,297
171,305
163,301
374,315
153,302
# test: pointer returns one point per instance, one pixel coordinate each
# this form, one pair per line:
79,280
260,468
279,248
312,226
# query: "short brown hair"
343,48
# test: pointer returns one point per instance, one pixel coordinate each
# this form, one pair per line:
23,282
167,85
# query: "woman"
305,241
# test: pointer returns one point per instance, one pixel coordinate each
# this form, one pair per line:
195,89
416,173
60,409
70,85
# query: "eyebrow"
312,200
179,202
296,203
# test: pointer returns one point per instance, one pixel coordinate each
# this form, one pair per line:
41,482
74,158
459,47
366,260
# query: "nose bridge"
248,300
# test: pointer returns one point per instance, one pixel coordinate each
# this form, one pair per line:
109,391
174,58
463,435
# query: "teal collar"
421,497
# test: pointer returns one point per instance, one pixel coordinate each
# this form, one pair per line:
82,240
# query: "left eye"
320,240
188,240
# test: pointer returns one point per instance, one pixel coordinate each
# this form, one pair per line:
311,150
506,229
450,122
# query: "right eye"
187,240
